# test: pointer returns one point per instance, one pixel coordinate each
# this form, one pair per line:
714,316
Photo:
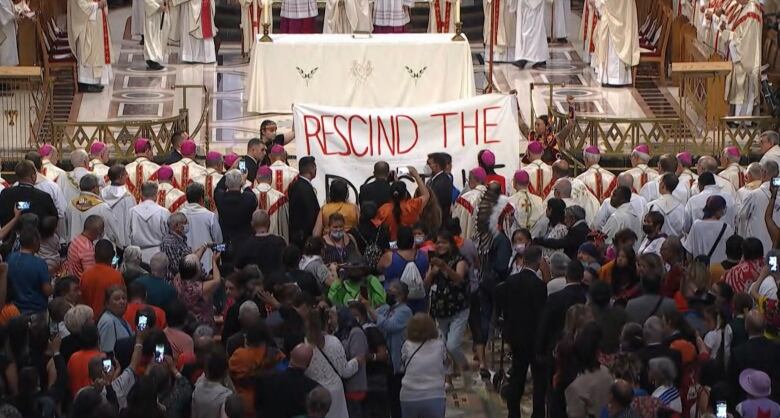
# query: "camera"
23,205
115,261
107,365
142,322
402,171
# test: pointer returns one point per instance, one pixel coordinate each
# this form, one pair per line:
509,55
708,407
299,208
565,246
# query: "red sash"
254,16
177,204
749,15
642,179
106,40
278,205
211,205
205,19
161,197
599,186
262,201
466,205
279,181
441,27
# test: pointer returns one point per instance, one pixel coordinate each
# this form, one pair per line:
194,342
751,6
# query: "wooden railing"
25,100
120,134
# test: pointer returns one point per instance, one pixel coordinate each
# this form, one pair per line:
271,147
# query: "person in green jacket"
355,283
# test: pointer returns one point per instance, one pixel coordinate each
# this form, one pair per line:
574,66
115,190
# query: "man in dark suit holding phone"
304,206
25,195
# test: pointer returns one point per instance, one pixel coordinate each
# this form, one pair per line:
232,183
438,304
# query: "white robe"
85,205
529,208
530,36
623,218
562,10
617,42
735,174
641,174
750,222
597,180
252,19
503,36
773,154
275,203
89,37
155,38
638,205
204,228
121,201
9,54
148,225
170,197
650,191
540,175
52,189
347,16
283,176
651,246
702,236
674,214
138,18
446,18
138,172
724,185
69,183
581,197
694,209
51,171
99,169
196,46
185,171
209,180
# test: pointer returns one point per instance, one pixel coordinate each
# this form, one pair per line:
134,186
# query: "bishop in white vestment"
9,53
148,223
210,178
186,169
274,202
142,169
595,178
465,207
541,173
99,154
156,27
283,174
168,196
50,157
530,40
347,16
441,18
617,41
252,18
89,37
743,84
196,20
733,172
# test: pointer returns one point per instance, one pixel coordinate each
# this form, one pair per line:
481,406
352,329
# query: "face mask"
390,299
337,235
519,248
647,229
427,170
419,239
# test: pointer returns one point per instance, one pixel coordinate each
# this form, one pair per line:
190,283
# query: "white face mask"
419,239
427,170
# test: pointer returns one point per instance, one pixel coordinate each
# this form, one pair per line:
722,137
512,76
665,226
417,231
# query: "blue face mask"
337,235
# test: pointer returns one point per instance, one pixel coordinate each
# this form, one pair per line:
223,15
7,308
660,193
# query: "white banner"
346,142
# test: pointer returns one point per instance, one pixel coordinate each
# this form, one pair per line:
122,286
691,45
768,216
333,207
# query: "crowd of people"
228,290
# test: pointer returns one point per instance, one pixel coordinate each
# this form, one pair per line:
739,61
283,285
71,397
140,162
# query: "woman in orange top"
248,362
338,202
403,210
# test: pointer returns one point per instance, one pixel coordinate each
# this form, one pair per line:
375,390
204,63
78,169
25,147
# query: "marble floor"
138,94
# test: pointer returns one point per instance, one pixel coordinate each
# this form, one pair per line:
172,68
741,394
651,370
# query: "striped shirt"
81,255
669,397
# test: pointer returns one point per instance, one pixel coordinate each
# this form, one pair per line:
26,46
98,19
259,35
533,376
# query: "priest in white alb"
617,41
148,222
298,16
441,17
392,16
595,178
197,31
156,28
743,84
530,39
89,37
347,16
252,18
274,202
750,220
121,201
9,54
555,14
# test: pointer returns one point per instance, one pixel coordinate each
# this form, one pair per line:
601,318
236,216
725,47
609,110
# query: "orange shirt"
78,369
133,307
411,209
94,283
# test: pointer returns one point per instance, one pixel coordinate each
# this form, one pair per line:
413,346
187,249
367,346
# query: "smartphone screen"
107,365
142,322
218,248
115,261
242,166
23,205
402,171
720,409
776,181
159,353
773,267
54,328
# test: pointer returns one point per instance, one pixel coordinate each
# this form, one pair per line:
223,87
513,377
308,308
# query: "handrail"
205,117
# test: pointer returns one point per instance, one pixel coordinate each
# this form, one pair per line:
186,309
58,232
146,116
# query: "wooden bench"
55,60
656,53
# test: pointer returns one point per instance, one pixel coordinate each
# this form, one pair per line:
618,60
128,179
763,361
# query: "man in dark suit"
304,206
283,394
756,353
378,191
175,155
255,152
440,182
235,208
40,202
574,218
550,330
521,299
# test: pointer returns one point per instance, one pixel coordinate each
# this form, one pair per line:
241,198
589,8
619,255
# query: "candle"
267,11
457,11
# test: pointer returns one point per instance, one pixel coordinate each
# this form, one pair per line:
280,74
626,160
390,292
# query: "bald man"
754,176
283,394
263,249
578,193
638,203
623,217
750,219
69,183
377,191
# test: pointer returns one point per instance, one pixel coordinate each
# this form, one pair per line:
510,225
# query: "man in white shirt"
50,156
750,222
670,207
69,183
623,217
204,224
595,178
273,202
638,203
538,171
651,191
652,225
120,200
769,142
641,173
283,174
708,163
529,208
754,176
186,169
99,157
733,172
148,222
684,169
87,203
708,235
694,209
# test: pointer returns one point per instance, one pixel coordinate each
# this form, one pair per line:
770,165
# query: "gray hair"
708,163
76,317
756,171
576,212
653,331
88,183
664,368
159,264
248,309
149,190
176,219
203,331
640,155
563,186
625,179
318,402
770,168
559,262
593,158
234,180
772,136
79,157
131,256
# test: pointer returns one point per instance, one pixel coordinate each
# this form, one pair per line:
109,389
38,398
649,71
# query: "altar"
378,70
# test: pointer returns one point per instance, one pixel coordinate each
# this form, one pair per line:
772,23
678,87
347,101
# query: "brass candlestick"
458,32
265,37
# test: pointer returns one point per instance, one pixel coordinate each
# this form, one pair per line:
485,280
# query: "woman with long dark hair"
556,229
403,210
621,274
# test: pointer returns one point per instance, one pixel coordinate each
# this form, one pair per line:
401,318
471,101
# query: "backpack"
413,279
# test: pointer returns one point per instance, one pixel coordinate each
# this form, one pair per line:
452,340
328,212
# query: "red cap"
188,147
141,145
230,159
535,147
96,148
264,171
479,174
488,158
522,177
45,150
213,156
165,172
